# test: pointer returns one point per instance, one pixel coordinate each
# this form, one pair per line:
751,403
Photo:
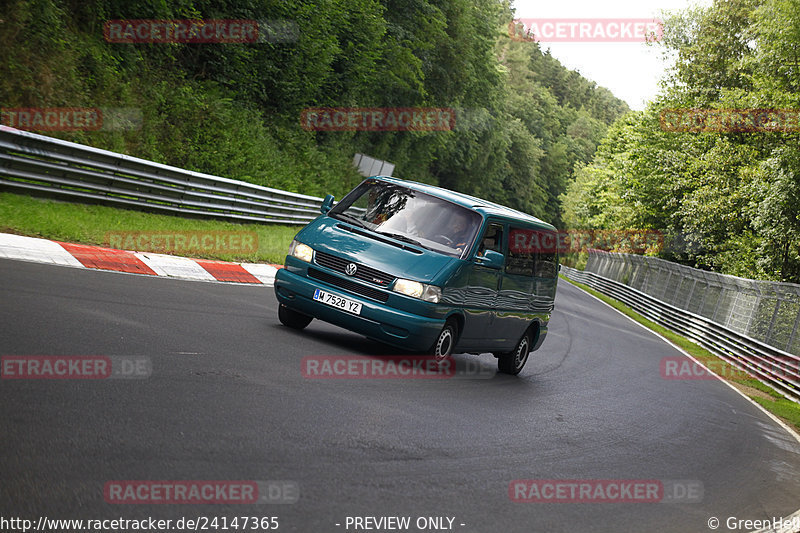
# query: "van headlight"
415,289
301,251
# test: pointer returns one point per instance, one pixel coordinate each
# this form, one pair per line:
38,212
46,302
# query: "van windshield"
410,216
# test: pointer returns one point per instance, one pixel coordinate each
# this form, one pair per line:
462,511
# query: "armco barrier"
768,311
36,164
773,367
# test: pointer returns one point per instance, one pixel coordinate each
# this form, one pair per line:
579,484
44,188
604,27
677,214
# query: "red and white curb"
151,264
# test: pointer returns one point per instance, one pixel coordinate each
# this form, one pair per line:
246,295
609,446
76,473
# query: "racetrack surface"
227,401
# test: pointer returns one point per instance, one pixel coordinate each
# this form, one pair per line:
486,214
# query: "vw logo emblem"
350,269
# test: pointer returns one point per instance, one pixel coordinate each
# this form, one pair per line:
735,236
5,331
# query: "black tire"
513,361
446,341
293,319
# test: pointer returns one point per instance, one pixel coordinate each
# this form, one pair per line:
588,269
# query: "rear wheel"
512,362
291,318
446,341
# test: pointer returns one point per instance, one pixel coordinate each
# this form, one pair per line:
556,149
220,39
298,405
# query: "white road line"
774,418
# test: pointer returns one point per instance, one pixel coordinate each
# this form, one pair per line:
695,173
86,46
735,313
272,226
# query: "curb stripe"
107,259
264,273
223,271
175,266
33,249
152,264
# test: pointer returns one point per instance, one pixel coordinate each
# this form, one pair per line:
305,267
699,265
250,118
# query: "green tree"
777,215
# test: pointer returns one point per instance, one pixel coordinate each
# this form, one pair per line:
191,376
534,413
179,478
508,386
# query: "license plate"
345,304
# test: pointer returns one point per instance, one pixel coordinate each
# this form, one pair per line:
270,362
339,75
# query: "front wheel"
291,318
512,362
446,341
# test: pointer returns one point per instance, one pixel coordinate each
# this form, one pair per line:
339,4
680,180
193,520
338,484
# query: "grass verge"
772,401
108,226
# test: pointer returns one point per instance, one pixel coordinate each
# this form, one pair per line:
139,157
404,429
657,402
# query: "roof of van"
482,206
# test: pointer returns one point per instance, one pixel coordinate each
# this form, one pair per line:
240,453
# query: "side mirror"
491,259
327,204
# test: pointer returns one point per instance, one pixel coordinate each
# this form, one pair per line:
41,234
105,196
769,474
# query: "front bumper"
379,321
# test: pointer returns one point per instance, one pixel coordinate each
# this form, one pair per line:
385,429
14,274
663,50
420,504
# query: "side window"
532,252
546,266
520,258
492,239
546,256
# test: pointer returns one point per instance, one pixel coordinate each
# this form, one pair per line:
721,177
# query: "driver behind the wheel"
458,231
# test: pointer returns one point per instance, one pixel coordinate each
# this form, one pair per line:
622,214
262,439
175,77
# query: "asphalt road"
227,401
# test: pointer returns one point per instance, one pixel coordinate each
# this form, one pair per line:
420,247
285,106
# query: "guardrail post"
666,285
753,312
719,299
691,293
703,297
768,338
794,332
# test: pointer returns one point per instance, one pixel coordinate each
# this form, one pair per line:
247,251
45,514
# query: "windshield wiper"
352,220
403,238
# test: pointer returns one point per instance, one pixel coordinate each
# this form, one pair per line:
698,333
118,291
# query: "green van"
424,269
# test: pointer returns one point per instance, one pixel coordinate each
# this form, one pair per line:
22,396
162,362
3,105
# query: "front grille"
363,272
348,285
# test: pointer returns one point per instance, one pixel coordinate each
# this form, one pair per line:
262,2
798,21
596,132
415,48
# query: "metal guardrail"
773,367
36,164
768,311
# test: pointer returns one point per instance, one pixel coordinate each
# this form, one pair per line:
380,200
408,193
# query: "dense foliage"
727,200
233,109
